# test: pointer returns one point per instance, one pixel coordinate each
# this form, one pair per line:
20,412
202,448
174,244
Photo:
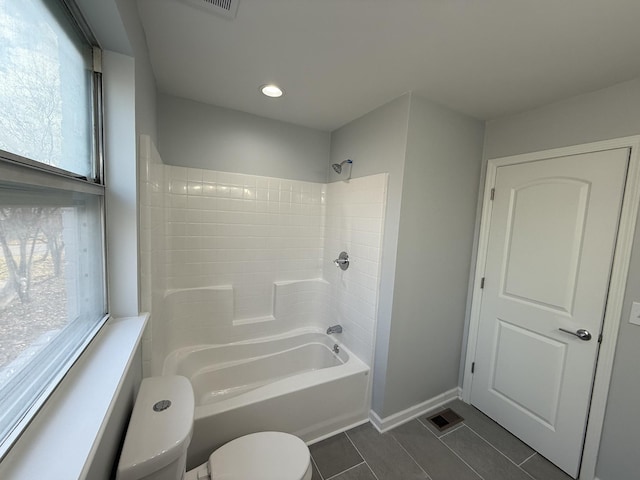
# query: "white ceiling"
339,59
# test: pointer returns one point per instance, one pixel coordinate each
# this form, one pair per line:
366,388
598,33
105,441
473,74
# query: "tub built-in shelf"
295,298
196,292
252,320
207,314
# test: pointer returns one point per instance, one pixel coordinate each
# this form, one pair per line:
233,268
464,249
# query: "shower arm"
337,167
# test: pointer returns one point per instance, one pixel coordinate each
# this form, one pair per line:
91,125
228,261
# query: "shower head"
338,166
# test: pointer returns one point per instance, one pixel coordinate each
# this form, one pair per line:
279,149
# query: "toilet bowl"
259,456
160,429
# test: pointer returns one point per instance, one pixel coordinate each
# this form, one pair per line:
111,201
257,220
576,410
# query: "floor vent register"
445,419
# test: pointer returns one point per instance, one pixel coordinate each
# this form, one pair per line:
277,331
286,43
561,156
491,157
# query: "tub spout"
334,329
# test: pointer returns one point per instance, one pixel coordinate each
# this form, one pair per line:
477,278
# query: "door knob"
581,333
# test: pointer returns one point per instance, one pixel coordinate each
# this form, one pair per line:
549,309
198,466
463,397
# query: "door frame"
617,283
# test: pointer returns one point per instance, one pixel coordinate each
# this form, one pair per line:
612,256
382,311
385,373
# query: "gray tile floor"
476,449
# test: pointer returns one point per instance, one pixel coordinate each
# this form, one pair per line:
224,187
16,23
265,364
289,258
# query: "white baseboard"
392,421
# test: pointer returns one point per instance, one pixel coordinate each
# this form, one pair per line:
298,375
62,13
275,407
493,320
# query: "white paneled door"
551,242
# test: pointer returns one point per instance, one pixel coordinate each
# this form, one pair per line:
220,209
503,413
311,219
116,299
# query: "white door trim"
615,297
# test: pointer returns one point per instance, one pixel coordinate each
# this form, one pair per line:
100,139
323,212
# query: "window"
52,275
45,86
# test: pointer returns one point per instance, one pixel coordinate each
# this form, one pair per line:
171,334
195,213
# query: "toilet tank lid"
160,428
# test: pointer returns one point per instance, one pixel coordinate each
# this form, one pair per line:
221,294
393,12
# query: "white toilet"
160,429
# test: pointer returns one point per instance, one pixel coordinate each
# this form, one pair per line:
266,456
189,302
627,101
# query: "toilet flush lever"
342,261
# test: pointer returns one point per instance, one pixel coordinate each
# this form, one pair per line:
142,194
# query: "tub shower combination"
301,382
241,276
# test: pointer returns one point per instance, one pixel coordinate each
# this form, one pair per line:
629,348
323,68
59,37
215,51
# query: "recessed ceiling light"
271,90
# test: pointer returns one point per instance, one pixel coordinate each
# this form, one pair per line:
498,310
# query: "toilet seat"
264,456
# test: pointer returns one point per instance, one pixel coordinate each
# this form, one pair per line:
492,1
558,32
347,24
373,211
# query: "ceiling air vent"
225,8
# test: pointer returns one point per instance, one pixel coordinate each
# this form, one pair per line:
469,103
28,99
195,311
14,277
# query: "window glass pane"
51,288
45,86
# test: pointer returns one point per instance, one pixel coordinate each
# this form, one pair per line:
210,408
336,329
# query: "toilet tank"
159,432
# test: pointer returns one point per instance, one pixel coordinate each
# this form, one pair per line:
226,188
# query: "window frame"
22,170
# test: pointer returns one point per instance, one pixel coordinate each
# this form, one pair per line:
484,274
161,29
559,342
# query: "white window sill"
61,441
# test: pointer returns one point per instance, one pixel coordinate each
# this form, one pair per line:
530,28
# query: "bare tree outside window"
29,86
32,286
45,105
32,290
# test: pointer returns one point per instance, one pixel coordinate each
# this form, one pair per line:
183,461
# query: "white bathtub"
292,383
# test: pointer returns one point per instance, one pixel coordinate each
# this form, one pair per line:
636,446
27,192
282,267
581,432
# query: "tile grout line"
494,447
457,427
361,456
410,456
527,459
452,451
440,438
346,470
456,454
313,460
500,452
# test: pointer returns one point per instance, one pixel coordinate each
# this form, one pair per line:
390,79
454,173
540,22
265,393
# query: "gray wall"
120,178
193,134
146,91
376,142
433,158
441,175
609,113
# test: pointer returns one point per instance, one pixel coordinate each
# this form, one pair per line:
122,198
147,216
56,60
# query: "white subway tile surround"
226,256
219,233
354,221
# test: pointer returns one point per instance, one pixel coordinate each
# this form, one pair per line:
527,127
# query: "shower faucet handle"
342,261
